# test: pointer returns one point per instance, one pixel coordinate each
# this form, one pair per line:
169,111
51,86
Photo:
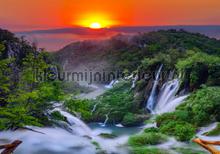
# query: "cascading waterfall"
151,100
167,93
167,100
79,126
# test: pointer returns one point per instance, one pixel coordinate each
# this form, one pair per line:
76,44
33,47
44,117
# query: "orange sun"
95,25
95,21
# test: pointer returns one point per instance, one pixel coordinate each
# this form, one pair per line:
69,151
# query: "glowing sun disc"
95,25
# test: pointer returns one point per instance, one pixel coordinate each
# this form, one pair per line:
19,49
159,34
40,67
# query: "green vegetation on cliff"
24,100
201,108
118,103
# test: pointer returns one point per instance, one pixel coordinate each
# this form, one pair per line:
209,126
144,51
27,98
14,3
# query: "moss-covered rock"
107,135
96,144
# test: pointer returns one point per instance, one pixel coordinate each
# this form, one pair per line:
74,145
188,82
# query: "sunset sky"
39,14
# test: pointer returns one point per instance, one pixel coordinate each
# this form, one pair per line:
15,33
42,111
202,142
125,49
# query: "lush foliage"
140,142
117,102
56,115
183,131
145,139
75,106
203,106
201,68
199,109
131,119
24,99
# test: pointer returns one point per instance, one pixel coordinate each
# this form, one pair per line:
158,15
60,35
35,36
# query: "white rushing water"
111,84
134,80
167,99
203,130
57,140
54,140
78,125
106,120
94,107
151,100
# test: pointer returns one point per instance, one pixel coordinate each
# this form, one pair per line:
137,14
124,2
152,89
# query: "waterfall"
94,107
106,120
78,125
134,80
167,93
167,100
111,84
151,100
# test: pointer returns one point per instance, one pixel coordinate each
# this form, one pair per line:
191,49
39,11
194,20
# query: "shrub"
183,131
80,106
146,139
199,109
203,106
203,68
117,101
131,119
13,118
151,130
57,116
179,115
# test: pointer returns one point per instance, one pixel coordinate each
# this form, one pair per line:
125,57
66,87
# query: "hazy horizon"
55,39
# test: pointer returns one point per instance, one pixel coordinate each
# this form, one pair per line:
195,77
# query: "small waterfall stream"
106,120
134,80
94,107
151,100
111,84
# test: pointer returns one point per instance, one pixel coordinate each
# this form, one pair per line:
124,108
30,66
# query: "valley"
148,93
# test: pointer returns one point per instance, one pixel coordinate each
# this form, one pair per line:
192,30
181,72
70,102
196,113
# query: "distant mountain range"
85,31
54,39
